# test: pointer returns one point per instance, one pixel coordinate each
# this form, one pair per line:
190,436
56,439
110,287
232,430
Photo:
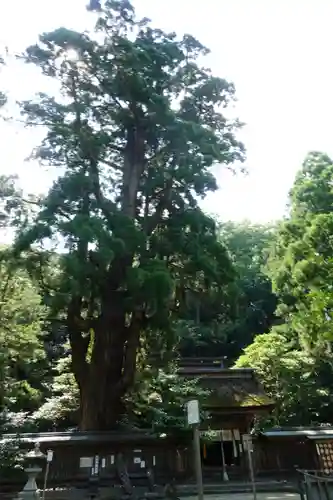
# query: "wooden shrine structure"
236,399
283,451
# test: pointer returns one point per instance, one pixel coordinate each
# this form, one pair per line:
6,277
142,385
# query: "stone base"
29,495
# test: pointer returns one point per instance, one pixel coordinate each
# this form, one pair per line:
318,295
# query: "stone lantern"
34,460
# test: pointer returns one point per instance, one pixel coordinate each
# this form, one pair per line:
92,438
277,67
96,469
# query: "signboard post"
193,419
249,448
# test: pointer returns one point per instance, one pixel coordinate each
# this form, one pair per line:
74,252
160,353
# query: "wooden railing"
316,485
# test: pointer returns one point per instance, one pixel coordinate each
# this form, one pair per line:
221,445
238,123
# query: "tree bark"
102,402
110,372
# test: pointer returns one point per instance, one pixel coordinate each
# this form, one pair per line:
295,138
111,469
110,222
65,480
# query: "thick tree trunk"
101,398
104,380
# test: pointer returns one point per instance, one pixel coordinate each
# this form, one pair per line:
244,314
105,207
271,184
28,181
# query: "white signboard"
226,435
247,442
86,462
96,465
193,415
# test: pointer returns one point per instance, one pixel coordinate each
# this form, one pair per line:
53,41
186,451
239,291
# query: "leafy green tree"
158,400
254,302
301,264
61,408
11,463
137,128
294,361
296,381
223,322
22,351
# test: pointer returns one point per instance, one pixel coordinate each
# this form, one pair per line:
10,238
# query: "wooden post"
224,467
248,441
197,460
193,419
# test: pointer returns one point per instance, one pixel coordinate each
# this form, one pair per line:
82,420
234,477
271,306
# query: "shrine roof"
230,387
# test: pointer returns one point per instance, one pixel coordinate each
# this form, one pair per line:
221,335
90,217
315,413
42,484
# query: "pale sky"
277,52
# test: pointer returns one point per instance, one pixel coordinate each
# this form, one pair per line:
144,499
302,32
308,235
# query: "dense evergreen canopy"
134,133
116,271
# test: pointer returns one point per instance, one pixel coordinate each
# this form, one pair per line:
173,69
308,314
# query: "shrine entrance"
212,454
222,453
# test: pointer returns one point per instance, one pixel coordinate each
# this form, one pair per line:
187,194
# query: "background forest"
116,272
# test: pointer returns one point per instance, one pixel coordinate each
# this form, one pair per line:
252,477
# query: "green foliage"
253,300
296,381
301,264
294,361
22,356
223,322
11,464
158,400
141,273
137,129
60,409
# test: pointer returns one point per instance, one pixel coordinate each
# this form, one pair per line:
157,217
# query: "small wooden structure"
283,451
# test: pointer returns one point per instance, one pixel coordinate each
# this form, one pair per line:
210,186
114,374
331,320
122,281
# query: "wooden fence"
75,454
